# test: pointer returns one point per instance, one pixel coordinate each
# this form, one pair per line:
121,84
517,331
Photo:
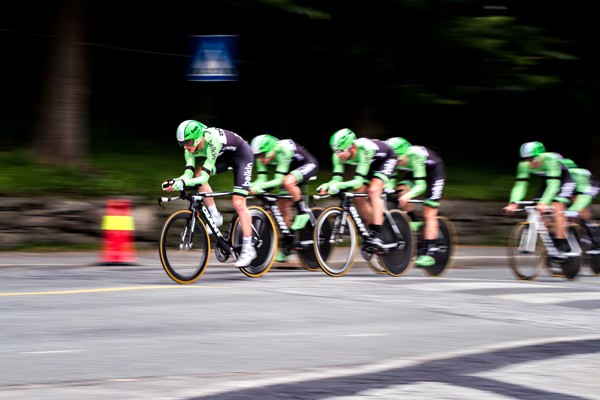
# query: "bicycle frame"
197,207
537,227
349,208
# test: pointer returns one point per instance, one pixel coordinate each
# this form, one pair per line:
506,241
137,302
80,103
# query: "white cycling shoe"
246,256
218,222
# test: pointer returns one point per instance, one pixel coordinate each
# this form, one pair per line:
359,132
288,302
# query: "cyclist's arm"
262,172
338,169
364,156
419,174
190,166
212,146
283,160
553,181
519,189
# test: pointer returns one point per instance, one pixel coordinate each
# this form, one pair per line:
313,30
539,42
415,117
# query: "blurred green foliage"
140,174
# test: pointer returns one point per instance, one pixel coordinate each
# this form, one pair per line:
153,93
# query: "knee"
239,204
289,181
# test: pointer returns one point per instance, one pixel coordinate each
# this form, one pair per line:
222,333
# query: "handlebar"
184,195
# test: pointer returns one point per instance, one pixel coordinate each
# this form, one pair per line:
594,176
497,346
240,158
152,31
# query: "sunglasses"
189,142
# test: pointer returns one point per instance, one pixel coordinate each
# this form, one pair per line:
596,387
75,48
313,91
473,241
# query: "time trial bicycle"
338,228
185,243
300,241
531,247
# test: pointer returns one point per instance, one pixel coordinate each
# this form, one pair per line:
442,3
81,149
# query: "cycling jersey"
222,149
559,185
290,158
586,188
425,173
374,159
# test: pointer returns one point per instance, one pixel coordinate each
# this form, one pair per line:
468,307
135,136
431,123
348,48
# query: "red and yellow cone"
118,234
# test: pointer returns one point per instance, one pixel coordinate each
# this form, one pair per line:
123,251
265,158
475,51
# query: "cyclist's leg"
285,207
375,189
209,202
242,174
430,215
291,183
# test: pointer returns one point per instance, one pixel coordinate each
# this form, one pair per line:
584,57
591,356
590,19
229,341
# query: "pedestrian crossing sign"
213,58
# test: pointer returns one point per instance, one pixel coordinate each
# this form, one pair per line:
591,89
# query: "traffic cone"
118,233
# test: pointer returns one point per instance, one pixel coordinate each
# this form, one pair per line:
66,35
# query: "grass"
141,173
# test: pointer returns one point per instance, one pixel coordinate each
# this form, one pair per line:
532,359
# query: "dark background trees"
471,79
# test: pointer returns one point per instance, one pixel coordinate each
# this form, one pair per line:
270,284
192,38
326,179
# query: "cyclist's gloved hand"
168,184
323,187
333,188
256,188
178,184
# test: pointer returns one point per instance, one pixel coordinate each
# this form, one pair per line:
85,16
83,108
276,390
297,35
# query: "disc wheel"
264,238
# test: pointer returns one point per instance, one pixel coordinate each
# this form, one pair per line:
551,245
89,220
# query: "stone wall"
59,221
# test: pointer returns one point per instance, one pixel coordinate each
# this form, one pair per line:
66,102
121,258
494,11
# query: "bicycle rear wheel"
446,244
340,246
572,265
264,238
589,257
398,259
524,264
184,253
306,253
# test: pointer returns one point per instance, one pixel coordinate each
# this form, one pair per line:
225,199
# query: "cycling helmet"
532,149
190,130
567,162
399,145
263,144
342,139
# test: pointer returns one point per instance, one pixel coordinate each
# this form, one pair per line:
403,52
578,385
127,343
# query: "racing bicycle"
338,228
185,239
531,247
300,241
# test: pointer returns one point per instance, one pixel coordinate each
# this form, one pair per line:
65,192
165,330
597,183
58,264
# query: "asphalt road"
72,329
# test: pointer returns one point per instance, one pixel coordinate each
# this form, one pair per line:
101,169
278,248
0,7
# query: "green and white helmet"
532,149
342,139
263,144
399,145
190,132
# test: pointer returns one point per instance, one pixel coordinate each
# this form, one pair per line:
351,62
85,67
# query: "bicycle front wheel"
525,262
264,238
446,244
335,240
398,259
184,251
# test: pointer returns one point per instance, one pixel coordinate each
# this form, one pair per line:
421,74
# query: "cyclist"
587,188
220,149
293,165
555,194
375,162
425,173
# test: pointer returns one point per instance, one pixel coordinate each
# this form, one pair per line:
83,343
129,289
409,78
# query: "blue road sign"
214,58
